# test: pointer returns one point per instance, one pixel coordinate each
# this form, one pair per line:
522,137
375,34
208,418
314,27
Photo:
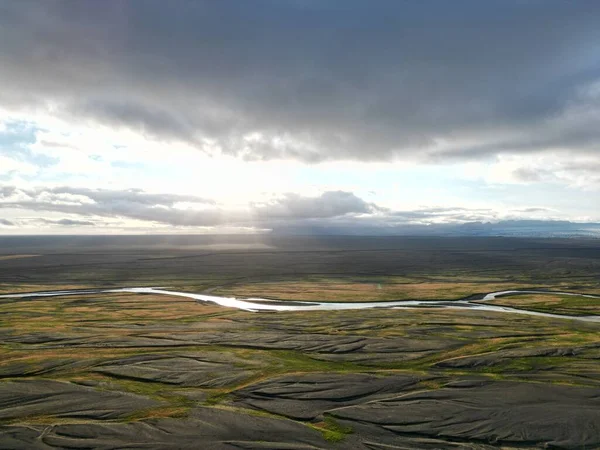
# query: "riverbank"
271,305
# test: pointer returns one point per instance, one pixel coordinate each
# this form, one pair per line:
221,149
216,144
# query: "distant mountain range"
516,228
542,228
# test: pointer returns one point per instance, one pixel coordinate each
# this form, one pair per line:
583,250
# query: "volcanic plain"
126,370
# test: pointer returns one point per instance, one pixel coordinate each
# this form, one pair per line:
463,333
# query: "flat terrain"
146,371
555,303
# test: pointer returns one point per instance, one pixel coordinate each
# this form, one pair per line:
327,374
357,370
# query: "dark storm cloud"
316,80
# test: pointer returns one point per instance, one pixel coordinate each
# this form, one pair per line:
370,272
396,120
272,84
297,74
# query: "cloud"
332,208
68,222
328,204
331,212
527,175
133,204
431,80
179,210
533,210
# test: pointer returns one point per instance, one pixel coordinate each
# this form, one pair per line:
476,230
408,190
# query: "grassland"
360,289
194,369
554,303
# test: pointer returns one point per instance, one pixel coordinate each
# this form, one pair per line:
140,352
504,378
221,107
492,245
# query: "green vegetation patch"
552,303
332,430
376,288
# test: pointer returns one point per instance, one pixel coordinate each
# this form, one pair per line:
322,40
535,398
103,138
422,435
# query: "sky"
297,116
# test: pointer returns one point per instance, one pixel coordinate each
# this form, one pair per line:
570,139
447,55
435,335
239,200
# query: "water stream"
264,305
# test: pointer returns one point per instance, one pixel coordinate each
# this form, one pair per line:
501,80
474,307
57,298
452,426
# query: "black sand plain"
113,371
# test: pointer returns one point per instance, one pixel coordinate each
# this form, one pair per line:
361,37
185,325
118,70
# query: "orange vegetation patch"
336,290
72,312
565,304
10,288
